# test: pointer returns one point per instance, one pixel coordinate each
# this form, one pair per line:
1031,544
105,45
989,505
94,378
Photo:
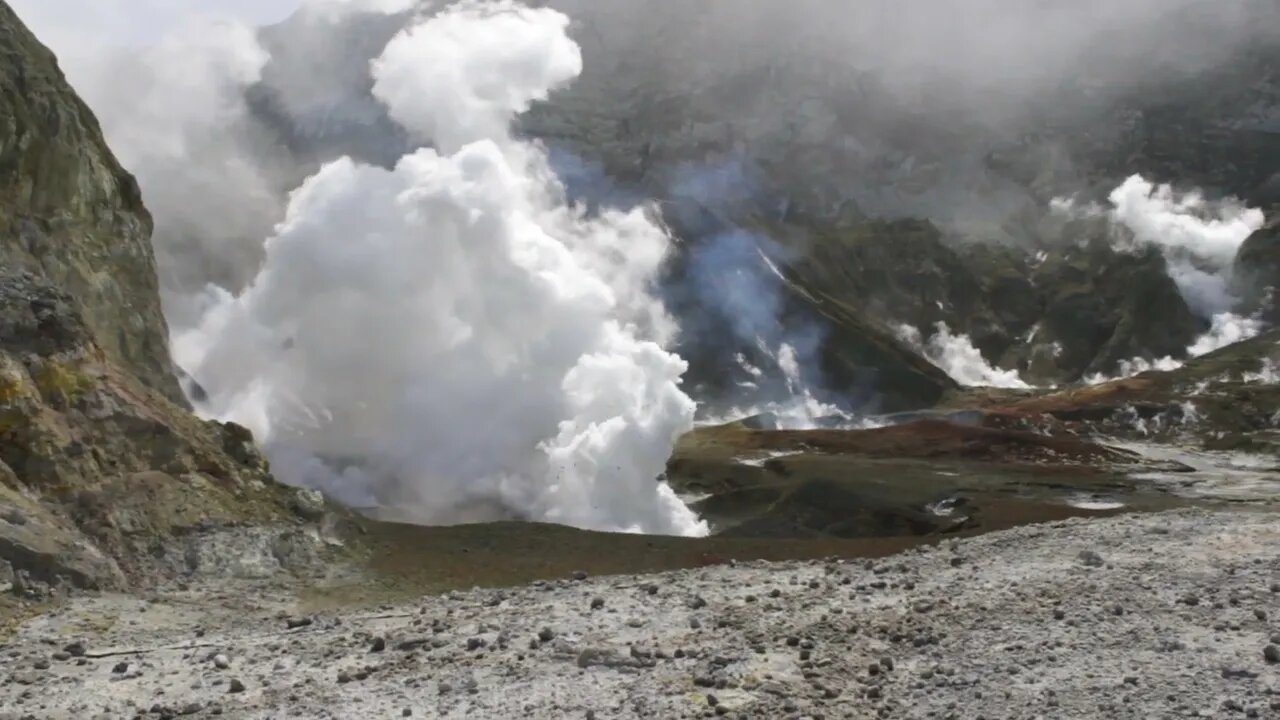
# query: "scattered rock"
308,504
1091,559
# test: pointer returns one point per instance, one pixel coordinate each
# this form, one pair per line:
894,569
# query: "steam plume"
956,355
1200,240
448,337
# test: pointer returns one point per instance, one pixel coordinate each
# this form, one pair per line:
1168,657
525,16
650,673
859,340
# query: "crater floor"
1172,614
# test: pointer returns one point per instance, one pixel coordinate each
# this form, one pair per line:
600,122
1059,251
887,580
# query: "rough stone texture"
1069,620
102,465
71,214
1257,269
1225,400
1100,307
105,476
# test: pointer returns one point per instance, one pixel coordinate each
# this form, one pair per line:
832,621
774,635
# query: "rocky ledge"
107,480
1066,620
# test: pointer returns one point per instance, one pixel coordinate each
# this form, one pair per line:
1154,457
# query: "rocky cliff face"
105,477
1257,271
71,214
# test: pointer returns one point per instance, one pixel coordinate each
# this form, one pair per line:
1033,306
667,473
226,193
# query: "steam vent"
632,359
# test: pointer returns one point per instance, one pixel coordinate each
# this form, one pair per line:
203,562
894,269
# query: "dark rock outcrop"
1100,307
105,476
71,214
1257,272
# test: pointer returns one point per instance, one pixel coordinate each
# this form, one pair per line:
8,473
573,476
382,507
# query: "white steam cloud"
1199,240
957,357
1268,373
735,280
449,337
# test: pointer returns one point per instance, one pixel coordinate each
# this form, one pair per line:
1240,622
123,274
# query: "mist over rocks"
886,168
449,275
884,129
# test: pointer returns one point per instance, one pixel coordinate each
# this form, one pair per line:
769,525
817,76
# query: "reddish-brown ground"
994,441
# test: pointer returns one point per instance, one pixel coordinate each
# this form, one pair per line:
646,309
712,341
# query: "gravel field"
1145,616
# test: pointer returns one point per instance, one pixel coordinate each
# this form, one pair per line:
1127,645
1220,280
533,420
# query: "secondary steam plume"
1199,240
449,336
733,279
956,355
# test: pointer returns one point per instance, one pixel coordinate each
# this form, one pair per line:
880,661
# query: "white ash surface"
1145,616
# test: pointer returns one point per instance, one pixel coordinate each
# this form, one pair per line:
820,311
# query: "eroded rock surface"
106,478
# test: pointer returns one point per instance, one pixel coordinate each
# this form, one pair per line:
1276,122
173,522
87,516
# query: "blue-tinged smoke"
735,313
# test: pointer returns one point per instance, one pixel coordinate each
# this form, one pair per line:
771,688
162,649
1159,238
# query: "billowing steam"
449,337
1199,240
415,316
957,356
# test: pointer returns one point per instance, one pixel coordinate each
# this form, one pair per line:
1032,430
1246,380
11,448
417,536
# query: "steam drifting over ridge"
1199,240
